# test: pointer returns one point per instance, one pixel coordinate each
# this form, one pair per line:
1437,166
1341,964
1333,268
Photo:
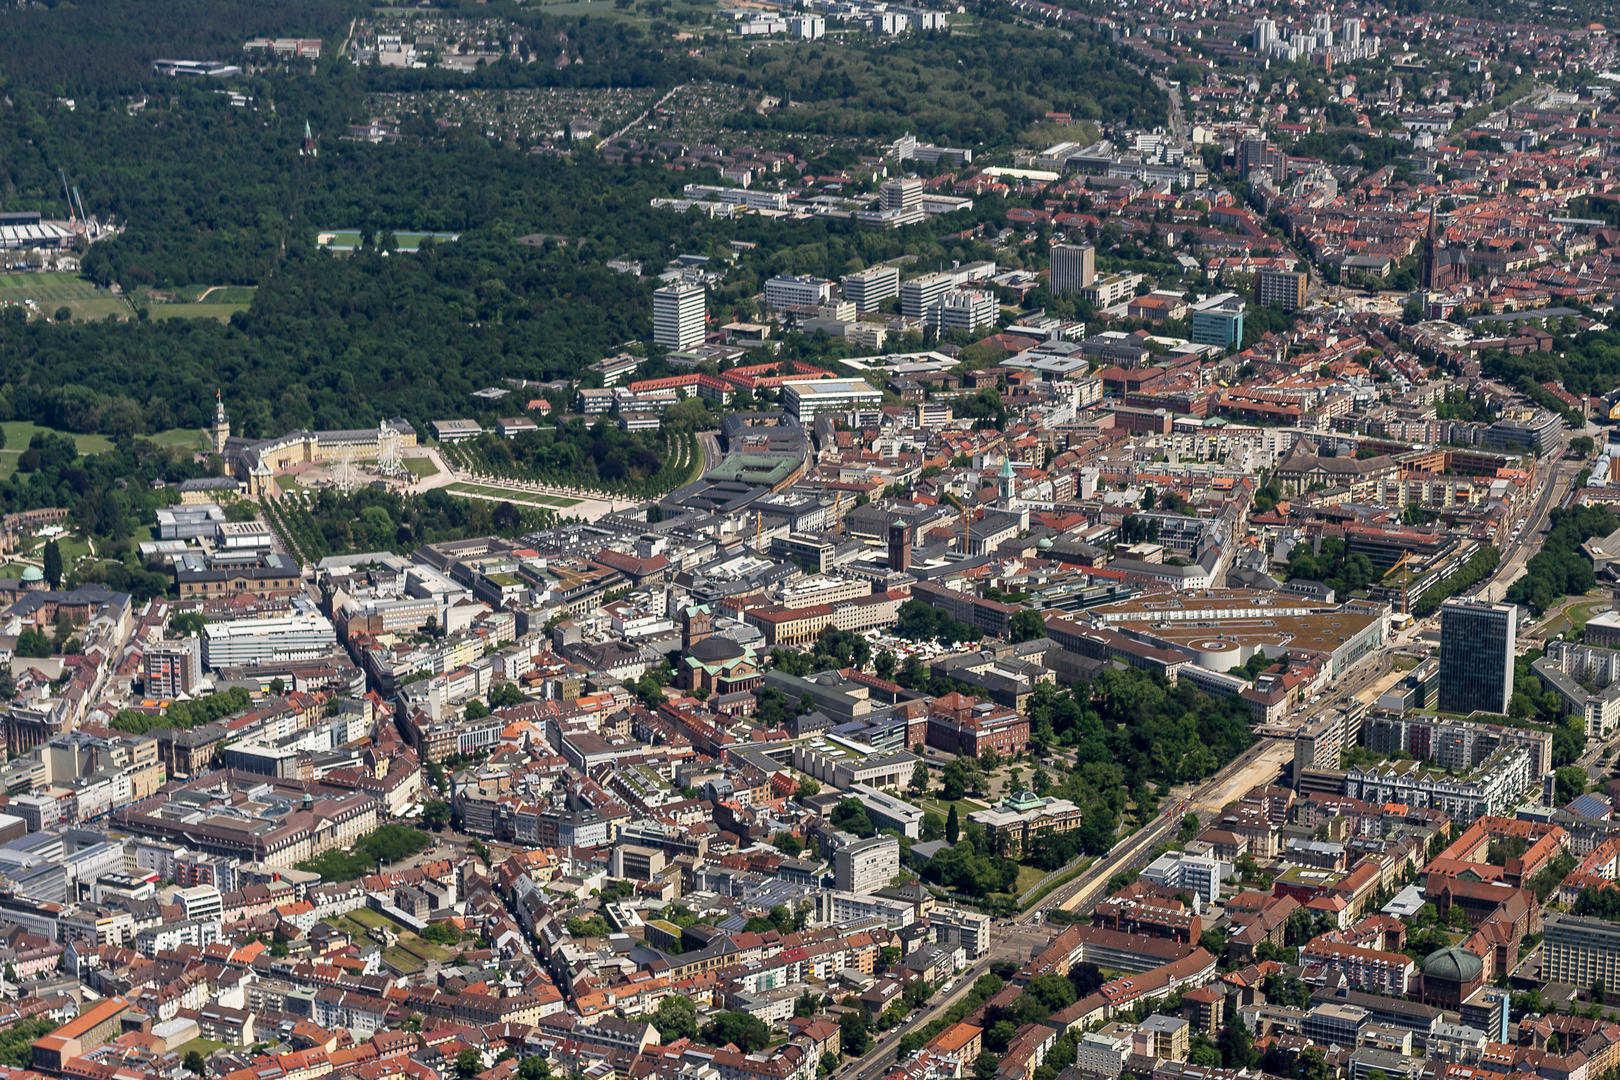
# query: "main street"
1518,552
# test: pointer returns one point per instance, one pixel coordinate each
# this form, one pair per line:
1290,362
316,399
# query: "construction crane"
967,522
1406,578
80,201
838,516
66,194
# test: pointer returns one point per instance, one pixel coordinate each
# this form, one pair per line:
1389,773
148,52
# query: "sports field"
44,294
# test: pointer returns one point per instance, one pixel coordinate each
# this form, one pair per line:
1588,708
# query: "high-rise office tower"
1074,266
1476,655
867,289
678,315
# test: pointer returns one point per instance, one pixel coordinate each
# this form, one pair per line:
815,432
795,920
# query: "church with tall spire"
307,148
1441,266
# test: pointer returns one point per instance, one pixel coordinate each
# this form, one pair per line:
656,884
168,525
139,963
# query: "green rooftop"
767,469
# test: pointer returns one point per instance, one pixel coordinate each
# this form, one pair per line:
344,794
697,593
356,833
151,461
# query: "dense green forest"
341,342
107,46
209,193
960,89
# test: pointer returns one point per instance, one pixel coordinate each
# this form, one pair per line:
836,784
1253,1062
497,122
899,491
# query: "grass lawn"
287,482
964,807
201,1045
18,432
1406,663
1578,614
420,467
189,438
517,498
1028,878
73,548
216,294
348,239
426,950
373,919
401,959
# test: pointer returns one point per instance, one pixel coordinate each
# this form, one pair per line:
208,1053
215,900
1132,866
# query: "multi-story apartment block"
966,310
787,290
1371,969
1581,951
901,193
867,289
1281,288
1455,744
1111,290
969,929
172,668
1568,669
1494,787
866,866
921,293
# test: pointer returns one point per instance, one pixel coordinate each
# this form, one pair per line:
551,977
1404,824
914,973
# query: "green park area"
519,498
349,239
411,952
386,844
19,432
420,467
199,1045
1573,619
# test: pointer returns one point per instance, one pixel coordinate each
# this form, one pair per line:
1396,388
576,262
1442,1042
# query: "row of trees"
1560,568
185,715
641,464
1480,565
386,844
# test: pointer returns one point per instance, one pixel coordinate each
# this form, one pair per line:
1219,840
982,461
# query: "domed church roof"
714,650
1454,964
